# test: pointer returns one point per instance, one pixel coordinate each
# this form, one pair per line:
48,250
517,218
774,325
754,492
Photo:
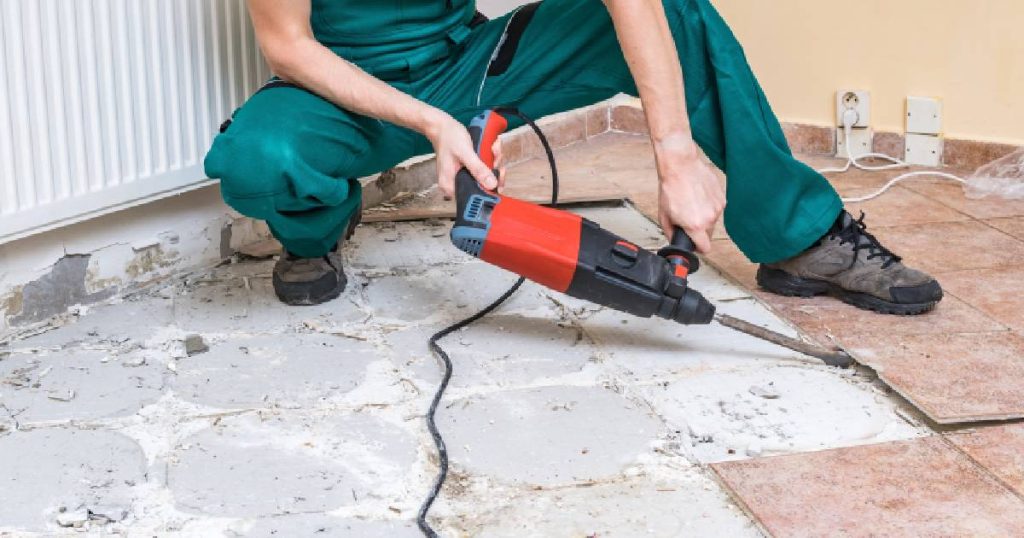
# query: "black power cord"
442,451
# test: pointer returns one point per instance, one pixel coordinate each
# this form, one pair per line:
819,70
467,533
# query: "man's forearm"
287,41
321,71
650,52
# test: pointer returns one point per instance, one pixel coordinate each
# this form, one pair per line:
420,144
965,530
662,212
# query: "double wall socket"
857,100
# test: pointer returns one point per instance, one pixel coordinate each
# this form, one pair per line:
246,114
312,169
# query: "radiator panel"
105,104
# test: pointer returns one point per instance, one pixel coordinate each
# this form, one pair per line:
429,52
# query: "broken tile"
626,507
500,350
327,525
401,245
952,246
547,436
628,119
49,468
921,487
953,378
996,292
999,449
292,369
78,385
598,119
106,324
653,348
722,418
248,466
569,129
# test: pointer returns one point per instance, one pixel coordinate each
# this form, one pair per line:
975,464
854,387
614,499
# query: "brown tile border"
971,154
810,139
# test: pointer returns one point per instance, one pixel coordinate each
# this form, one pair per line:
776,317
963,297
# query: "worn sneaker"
310,281
851,265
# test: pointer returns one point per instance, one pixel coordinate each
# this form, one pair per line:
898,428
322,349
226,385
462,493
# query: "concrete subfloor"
563,419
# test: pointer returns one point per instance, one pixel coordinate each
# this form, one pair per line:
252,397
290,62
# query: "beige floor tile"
922,487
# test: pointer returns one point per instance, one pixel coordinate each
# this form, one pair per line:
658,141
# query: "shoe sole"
317,292
782,283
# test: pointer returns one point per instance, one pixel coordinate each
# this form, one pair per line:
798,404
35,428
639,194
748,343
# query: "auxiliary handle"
681,253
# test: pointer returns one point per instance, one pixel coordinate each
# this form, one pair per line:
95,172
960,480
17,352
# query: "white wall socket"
860,142
924,115
857,100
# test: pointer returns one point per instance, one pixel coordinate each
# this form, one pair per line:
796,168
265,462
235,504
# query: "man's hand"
455,151
690,195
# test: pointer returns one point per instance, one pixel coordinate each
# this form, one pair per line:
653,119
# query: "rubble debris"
76,518
194,345
61,396
768,392
135,362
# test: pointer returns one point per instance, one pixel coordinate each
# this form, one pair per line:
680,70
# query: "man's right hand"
454,149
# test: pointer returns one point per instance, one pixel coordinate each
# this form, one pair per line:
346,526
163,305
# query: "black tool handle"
681,251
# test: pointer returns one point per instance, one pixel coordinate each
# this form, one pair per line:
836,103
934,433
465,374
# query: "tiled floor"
922,487
981,266
562,418
928,222
963,362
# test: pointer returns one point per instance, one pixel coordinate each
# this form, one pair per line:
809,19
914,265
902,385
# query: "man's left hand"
690,195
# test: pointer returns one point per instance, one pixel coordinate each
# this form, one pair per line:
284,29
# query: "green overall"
291,158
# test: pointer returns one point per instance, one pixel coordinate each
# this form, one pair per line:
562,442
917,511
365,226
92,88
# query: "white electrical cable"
849,120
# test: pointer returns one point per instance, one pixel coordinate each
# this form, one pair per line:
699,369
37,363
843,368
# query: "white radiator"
106,104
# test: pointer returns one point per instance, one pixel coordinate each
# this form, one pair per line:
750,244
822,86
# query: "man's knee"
254,169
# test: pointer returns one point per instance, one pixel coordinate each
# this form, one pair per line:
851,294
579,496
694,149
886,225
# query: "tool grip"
484,129
681,253
681,240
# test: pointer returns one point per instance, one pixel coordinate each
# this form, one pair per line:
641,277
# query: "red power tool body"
570,254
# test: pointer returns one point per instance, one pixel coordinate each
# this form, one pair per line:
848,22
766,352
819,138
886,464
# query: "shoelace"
857,233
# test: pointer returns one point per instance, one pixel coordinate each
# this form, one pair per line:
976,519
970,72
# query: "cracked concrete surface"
563,419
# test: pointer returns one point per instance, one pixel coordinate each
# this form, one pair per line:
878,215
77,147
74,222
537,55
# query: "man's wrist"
429,121
678,145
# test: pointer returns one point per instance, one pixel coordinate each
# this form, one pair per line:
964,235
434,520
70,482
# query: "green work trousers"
291,157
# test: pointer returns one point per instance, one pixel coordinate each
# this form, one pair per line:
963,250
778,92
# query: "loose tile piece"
953,378
999,449
547,436
46,469
920,487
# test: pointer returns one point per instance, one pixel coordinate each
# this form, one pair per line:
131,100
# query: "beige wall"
969,53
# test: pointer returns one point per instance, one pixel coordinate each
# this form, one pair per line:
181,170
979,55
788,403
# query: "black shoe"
310,281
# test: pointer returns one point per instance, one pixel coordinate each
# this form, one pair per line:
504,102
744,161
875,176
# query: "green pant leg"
291,158
569,57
